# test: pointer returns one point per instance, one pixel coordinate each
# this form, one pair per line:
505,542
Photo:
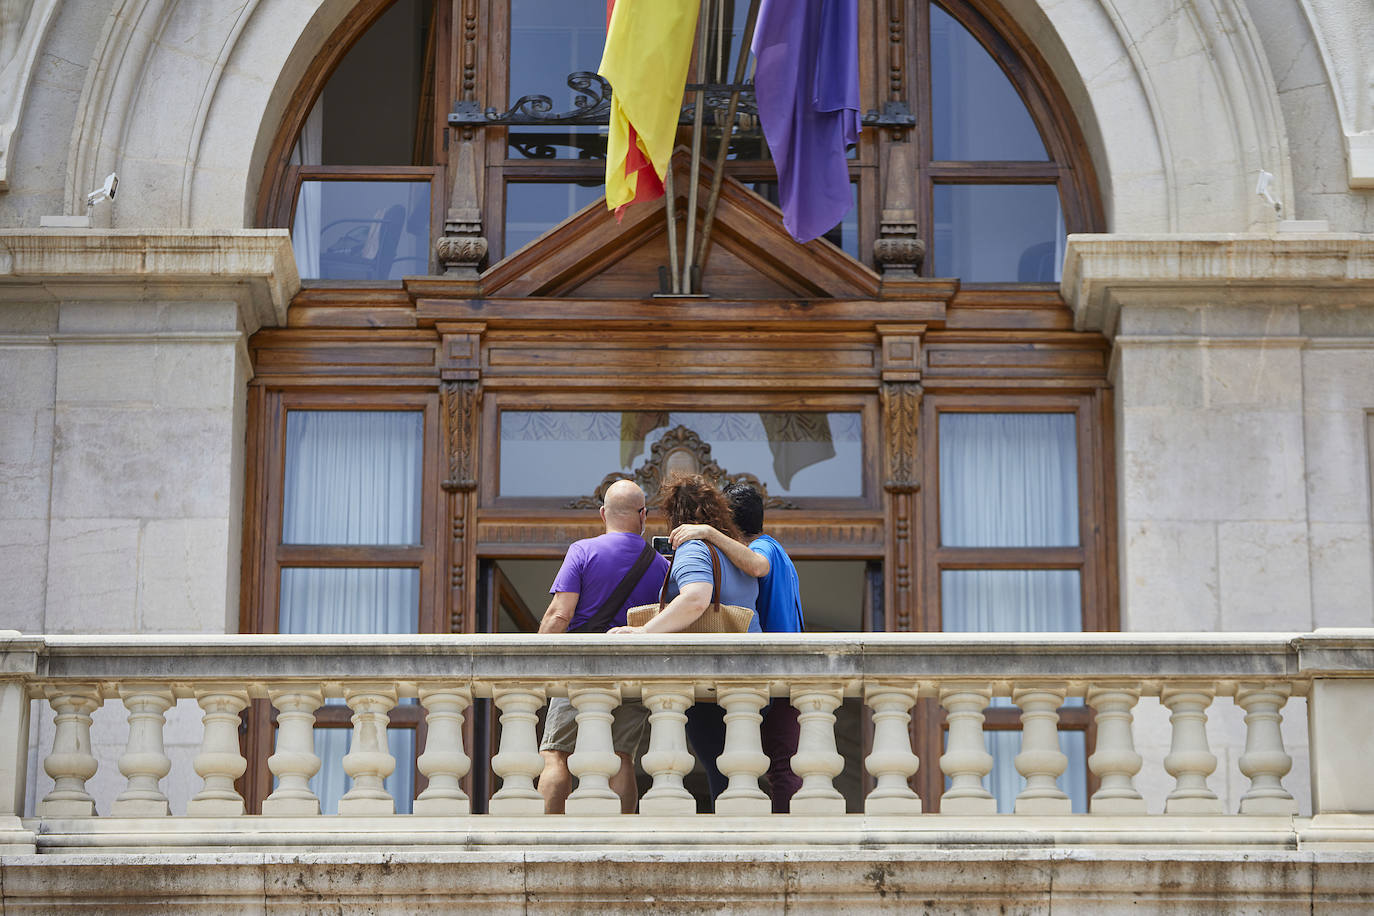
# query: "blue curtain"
1011,480
353,477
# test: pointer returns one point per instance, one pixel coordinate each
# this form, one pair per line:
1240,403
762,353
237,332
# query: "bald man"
600,579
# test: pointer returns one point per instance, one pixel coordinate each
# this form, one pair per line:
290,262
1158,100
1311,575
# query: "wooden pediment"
591,255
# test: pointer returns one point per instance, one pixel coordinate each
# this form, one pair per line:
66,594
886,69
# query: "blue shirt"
693,564
779,603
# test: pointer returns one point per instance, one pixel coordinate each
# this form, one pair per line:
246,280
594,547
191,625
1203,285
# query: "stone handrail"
1332,669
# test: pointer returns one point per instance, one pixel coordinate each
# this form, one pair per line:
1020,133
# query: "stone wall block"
1338,456
107,373
1259,377
92,575
1163,375
181,575
23,573
1169,577
1212,465
1263,571
137,463
1342,571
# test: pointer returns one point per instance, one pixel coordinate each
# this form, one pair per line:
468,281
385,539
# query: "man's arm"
749,561
689,604
559,613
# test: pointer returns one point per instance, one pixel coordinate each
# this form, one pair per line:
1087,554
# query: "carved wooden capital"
901,410
461,404
679,449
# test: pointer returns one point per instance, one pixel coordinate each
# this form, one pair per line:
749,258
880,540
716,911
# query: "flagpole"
727,128
670,210
694,176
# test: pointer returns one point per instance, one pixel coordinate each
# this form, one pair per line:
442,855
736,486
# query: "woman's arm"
748,561
680,612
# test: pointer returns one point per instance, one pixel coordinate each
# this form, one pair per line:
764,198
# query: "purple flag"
807,81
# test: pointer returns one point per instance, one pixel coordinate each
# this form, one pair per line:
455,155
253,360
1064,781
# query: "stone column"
368,761
295,760
743,761
668,760
1265,761
891,763
1190,761
966,761
1115,762
817,761
594,760
518,762
145,762
219,762
1041,761
444,763
71,762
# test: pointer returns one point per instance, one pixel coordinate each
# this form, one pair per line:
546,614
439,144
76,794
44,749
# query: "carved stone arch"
1177,103
166,80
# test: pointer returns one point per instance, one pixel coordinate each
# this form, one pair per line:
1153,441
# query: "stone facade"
1243,360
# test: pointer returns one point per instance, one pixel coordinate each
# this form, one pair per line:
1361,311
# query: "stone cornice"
1104,272
255,268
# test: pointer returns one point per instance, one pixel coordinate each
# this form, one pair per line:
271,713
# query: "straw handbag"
717,618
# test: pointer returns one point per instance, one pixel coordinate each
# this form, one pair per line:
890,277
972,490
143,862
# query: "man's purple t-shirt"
595,566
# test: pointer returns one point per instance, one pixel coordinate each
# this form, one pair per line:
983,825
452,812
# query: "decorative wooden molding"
680,449
899,250
901,408
461,406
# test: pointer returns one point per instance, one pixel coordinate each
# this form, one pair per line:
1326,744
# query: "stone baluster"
71,762
1041,761
219,762
891,763
593,760
144,761
1265,761
743,760
294,760
1189,760
518,762
369,762
1115,761
667,760
817,761
966,760
444,763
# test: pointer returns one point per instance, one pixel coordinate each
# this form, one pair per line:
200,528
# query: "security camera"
105,192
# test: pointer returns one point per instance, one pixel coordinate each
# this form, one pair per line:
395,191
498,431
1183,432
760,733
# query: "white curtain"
353,477
1010,480
306,228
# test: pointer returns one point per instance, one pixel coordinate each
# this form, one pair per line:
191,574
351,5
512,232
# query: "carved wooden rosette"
679,449
901,410
461,405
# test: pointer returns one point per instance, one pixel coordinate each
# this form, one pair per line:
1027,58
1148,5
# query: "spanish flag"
648,47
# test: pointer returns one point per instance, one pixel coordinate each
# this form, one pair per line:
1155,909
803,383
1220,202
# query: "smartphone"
663,545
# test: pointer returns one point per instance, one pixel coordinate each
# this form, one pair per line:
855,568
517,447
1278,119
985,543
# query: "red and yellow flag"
648,47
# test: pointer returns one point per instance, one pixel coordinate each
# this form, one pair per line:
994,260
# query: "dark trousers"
779,732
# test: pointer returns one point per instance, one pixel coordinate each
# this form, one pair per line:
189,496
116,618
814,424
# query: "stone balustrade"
889,673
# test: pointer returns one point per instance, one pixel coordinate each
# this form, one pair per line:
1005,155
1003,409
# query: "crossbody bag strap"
601,618
715,578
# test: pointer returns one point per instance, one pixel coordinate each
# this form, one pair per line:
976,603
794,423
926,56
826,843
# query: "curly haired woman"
690,499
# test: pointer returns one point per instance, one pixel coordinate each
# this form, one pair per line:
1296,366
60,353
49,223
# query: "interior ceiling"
832,590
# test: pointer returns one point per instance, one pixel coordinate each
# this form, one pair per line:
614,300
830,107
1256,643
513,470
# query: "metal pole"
670,209
702,18
698,258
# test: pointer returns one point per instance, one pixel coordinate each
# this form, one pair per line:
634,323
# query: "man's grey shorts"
560,727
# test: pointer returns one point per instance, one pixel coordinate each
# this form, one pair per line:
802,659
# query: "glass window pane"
999,233
549,41
361,230
352,477
569,453
977,113
533,208
349,600
1011,601
844,236
1008,480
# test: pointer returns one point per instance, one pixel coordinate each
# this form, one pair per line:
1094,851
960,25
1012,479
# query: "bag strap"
715,581
601,618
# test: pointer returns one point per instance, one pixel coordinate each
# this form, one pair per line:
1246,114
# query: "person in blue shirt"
778,609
